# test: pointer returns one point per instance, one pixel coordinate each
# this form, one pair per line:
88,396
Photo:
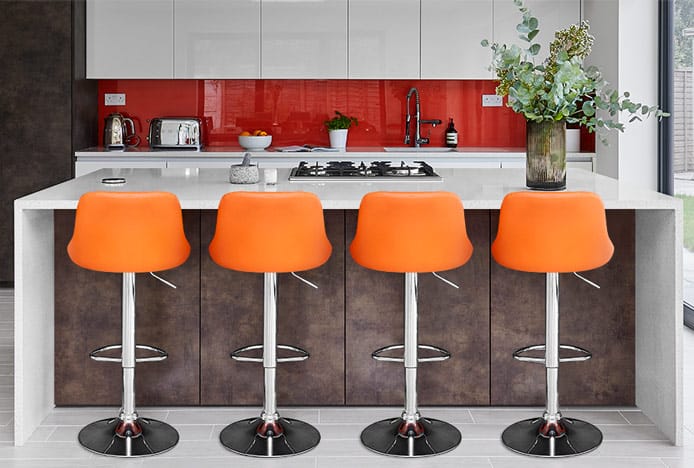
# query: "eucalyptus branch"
560,88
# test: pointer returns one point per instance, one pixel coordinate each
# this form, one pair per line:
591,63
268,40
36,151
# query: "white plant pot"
338,138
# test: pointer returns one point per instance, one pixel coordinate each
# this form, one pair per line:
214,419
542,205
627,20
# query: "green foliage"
560,88
340,121
688,216
684,18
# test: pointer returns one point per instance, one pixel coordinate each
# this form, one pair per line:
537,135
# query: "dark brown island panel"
214,311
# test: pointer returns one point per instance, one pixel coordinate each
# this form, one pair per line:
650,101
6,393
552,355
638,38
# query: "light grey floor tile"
377,461
625,449
194,432
636,417
358,414
46,451
82,417
231,460
450,415
6,417
64,434
583,461
480,448
41,433
226,416
339,431
503,415
631,432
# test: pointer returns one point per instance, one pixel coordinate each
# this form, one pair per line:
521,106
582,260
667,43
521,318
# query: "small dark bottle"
451,135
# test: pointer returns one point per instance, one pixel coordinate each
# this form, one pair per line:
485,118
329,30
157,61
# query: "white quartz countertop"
367,153
477,188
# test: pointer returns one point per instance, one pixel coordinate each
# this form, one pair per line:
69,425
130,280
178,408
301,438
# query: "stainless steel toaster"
175,132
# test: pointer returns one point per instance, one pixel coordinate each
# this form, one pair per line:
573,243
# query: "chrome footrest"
160,354
583,354
237,354
379,353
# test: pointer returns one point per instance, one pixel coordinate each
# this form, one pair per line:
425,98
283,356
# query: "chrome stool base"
100,437
384,437
244,438
525,437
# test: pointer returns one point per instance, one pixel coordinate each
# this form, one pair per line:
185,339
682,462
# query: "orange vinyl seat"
552,232
276,232
136,232
414,232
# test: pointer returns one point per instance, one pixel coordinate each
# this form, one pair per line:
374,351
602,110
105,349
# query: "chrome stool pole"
410,435
128,435
552,435
269,435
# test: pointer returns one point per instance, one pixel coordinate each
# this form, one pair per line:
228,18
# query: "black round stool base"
524,437
383,437
100,437
241,437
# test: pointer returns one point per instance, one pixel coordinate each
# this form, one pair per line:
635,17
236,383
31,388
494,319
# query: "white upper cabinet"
129,39
552,15
304,39
384,39
451,35
216,39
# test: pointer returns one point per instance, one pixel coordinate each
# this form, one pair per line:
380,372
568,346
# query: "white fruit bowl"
255,143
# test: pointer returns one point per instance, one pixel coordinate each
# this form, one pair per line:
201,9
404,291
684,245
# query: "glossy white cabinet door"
129,39
384,39
304,39
552,15
217,39
451,36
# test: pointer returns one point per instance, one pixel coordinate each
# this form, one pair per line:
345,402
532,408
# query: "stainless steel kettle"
116,134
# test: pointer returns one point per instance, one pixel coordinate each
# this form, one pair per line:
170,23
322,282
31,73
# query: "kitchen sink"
423,149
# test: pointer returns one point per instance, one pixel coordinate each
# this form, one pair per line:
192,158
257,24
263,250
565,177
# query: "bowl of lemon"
257,140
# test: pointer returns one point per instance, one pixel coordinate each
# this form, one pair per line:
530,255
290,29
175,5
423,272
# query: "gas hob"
352,171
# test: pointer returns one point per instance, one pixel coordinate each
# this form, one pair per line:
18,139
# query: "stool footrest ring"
583,354
160,354
302,354
443,354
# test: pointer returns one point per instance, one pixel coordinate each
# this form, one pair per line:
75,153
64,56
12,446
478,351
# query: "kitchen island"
652,332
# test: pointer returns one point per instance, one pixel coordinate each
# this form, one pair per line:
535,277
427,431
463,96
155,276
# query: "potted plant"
557,91
337,129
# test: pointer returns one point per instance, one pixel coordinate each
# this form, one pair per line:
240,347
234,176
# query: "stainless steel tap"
418,140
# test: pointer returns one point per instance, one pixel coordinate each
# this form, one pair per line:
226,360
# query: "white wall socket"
492,100
114,99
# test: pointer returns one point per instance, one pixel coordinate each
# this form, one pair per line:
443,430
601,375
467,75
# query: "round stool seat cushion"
412,232
552,232
270,232
134,232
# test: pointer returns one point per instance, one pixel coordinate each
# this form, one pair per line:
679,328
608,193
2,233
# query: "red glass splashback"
293,111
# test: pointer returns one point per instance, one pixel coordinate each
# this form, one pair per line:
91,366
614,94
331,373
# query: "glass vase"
545,163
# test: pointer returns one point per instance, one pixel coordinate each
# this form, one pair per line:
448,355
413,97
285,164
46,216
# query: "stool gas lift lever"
595,285
314,286
168,283
448,282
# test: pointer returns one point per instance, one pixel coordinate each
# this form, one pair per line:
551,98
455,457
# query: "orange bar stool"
270,233
411,233
552,233
128,233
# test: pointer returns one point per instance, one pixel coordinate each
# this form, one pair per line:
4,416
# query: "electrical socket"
114,99
492,100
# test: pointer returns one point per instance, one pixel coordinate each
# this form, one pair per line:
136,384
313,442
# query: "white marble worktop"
477,188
